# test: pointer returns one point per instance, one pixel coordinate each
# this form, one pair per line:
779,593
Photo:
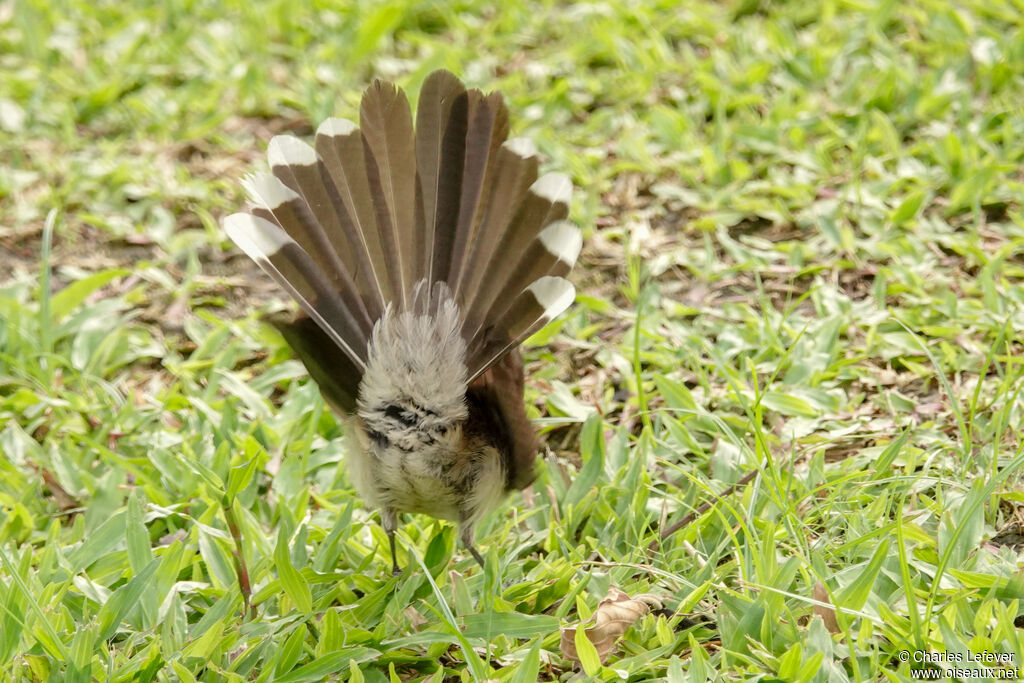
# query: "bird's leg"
389,520
395,571
476,555
466,533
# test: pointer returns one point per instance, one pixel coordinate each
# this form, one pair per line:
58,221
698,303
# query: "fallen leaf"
416,620
827,614
614,614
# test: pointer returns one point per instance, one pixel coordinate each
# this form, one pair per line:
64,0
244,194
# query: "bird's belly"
434,478
413,482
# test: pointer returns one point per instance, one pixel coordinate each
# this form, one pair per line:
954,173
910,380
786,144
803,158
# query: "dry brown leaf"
827,614
65,501
615,613
416,620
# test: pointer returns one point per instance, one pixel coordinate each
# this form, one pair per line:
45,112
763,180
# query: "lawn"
786,410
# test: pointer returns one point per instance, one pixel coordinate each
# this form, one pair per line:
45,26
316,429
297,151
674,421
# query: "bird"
421,252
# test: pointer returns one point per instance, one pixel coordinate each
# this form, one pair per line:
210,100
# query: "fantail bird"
421,260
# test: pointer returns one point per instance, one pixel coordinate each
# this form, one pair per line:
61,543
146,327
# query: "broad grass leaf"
329,551
289,654
561,399
239,478
529,667
72,296
856,594
592,450
739,622
204,645
811,669
12,620
908,208
82,646
244,393
511,624
961,530
323,667
789,663
582,650
787,404
140,554
99,543
124,600
295,586
218,559
676,395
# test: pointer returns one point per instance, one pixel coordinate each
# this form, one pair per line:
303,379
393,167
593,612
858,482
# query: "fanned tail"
377,216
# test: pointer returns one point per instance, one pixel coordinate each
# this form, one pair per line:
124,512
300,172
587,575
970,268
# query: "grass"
804,257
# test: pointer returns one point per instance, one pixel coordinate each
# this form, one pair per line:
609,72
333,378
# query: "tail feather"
515,170
290,210
339,146
332,369
553,253
284,260
433,114
449,190
487,130
546,202
298,166
535,307
389,147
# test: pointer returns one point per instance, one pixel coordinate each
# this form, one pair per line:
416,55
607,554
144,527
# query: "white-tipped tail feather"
255,236
555,187
288,150
554,294
521,147
266,191
335,127
281,258
563,240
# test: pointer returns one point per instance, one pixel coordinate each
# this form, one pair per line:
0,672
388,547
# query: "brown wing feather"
333,371
501,389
